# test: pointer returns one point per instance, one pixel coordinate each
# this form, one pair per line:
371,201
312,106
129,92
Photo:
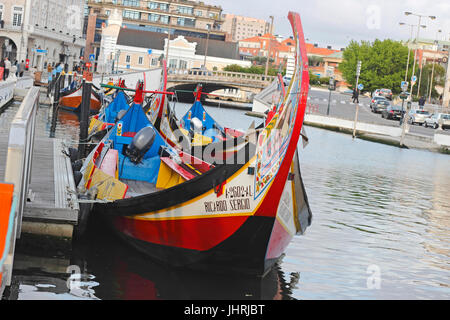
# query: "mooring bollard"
84,114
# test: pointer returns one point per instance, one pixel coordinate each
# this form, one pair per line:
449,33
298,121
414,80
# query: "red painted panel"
195,234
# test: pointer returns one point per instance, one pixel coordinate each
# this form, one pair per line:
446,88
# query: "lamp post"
269,47
409,42
417,38
432,71
207,44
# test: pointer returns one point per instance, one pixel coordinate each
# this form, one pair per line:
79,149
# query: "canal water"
381,230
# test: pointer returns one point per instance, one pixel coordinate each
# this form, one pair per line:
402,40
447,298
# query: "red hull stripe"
194,234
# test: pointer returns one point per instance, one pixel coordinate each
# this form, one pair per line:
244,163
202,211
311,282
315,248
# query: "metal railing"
20,152
195,74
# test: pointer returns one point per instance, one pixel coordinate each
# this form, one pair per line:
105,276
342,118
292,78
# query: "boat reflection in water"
124,274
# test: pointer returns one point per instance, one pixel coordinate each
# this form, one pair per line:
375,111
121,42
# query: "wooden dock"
51,207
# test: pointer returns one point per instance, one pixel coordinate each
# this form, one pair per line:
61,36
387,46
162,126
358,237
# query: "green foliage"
316,80
383,64
252,69
425,83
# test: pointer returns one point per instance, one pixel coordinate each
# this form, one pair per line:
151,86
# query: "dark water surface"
381,230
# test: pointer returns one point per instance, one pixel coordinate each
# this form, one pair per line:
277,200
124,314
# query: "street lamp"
269,45
409,41
432,72
207,45
407,13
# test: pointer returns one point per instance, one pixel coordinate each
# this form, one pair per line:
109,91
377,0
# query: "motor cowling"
121,114
141,144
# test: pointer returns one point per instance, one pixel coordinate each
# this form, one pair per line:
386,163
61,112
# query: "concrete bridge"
184,81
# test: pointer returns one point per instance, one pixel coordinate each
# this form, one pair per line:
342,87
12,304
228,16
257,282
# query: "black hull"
242,253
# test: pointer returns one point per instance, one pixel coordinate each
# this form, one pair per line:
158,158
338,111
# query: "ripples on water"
375,207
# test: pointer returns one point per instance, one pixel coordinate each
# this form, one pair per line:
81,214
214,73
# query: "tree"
383,64
438,80
252,69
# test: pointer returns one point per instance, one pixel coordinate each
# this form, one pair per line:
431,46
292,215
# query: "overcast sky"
336,22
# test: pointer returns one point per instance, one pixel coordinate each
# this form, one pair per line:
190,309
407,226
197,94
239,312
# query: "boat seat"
110,162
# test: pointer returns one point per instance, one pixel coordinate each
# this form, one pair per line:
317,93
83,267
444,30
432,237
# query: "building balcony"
11,28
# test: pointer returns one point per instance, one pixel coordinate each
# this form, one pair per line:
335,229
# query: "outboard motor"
140,145
121,114
196,127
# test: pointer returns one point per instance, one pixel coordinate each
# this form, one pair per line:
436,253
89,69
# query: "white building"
43,31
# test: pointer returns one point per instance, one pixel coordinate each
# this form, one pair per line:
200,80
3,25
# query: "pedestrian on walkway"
22,68
7,68
16,64
355,96
2,69
421,102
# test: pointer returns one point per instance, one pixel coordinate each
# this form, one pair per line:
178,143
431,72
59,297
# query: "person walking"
355,96
21,68
7,68
2,69
16,64
421,102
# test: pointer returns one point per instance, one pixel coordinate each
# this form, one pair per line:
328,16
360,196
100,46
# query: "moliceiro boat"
71,100
184,211
7,215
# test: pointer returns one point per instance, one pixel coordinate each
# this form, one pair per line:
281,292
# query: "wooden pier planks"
52,198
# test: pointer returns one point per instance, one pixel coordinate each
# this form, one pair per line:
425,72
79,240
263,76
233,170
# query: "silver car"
436,119
418,116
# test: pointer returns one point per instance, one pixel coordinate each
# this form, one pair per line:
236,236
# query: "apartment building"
240,27
177,17
44,32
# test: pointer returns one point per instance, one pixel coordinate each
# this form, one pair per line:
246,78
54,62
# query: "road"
341,106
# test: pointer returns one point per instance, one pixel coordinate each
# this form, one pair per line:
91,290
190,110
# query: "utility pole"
167,48
446,97
269,47
420,75
432,71
358,73
207,45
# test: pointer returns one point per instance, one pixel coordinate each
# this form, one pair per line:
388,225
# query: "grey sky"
336,22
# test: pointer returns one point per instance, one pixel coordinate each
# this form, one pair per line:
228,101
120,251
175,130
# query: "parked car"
437,118
387,93
393,113
287,81
376,93
418,116
378,104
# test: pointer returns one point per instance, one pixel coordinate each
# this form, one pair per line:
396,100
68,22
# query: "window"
173,63
132,14
128,59
141,60
164,19
154,62
17,16
185,10
1,11
183,64
153,17
156,6
131,3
